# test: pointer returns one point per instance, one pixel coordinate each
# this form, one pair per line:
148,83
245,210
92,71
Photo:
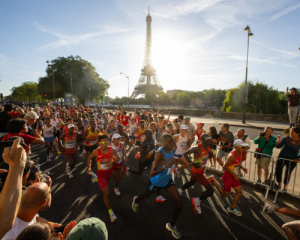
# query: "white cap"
183,127
132,117
71,126
115,136
31,115
240,142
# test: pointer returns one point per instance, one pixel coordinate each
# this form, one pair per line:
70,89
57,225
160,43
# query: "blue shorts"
178,155
50,139
131,137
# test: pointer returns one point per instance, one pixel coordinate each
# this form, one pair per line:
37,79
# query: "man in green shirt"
266,142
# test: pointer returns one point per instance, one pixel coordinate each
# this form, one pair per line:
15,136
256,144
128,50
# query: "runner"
170,129
106,157
230,178
201,155
213,145
183,143
90,137
131,127
140,132
56,123
123,136
161,177
48,134
117,169
111,129
70,148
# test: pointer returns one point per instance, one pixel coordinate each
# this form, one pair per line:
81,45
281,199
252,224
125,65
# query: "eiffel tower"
148,81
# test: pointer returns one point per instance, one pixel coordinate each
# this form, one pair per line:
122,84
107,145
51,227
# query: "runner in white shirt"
48,134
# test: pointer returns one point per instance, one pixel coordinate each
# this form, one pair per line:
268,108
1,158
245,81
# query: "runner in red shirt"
230,177
201,155
105,156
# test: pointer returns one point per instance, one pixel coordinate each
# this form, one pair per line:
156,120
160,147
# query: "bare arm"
116,155
61,137
10,196
90,157
190,151
39,139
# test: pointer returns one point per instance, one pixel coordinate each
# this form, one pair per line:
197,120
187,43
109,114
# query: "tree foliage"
261,99
87,84
183,98
27,92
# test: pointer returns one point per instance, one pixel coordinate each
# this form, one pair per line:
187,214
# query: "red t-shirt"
14,114
27,138
125,120
137,120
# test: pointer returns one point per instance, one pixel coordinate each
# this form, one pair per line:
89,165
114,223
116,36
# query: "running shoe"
234,211
58,152
70,174
210,178
127,173
48,159
258,181
180,191
160,199
112,216
117,192
196,204
174,231
135,206
268,208
276,186
50,154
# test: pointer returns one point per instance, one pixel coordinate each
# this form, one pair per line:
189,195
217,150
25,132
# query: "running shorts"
170,184
57,134
178,155
70,156
200,178
138,143
117,166
229,181
50,139
103,178
90,148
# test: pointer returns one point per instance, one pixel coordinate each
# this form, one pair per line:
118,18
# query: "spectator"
18,127
10,196
180,121
290,151
144,116
226,141
240,134
35,198
213,146
38,230
292,105
30,118
199,131
266,142
191,128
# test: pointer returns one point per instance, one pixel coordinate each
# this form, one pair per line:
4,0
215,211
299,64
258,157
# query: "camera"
263,134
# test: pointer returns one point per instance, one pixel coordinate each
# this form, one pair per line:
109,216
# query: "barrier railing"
286,174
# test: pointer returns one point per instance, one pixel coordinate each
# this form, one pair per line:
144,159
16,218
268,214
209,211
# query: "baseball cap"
115,136
170,125
71,126
90,228
205,136
240,142
183,127
31,115
187,118
132,117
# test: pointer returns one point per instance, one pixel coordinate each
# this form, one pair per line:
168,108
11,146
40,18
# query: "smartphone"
4,144
60,229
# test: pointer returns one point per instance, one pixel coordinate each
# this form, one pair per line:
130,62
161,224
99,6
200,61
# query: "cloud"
284,12
65,40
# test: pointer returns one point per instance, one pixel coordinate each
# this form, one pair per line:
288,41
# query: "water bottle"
94,178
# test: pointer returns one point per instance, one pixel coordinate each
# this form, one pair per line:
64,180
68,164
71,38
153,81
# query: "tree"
28,92
151,98
164,98
86,82
261,99
183,98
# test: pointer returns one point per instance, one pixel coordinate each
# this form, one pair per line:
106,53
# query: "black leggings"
209,190
142,165
173,192
289,167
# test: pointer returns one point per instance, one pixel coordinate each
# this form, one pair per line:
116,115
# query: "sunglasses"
106,142
242,147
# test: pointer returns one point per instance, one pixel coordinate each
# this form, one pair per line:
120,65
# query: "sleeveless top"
85,123
111,130
119,150
54,123
162,179
199,134
201,160
70,143
181,145
141,134
48,131
132,128
91,139
234,167
103,159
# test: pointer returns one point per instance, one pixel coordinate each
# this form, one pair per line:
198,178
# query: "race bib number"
103,166
93,142
236,169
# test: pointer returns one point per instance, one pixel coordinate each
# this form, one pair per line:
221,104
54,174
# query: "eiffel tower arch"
148,81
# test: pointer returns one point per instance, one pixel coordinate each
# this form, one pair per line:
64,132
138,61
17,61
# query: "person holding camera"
266,143
293,103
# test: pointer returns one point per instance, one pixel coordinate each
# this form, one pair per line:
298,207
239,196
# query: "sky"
196,44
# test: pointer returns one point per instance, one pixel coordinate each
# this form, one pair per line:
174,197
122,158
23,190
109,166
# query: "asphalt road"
78,198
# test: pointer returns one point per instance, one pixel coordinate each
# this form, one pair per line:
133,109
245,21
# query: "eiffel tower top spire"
148,81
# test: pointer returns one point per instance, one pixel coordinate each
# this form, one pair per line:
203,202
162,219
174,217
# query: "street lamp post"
128,89
52,79
250,34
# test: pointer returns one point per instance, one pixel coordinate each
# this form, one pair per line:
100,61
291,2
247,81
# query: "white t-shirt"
18,227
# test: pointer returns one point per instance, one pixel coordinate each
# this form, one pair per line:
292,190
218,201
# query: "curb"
254,126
